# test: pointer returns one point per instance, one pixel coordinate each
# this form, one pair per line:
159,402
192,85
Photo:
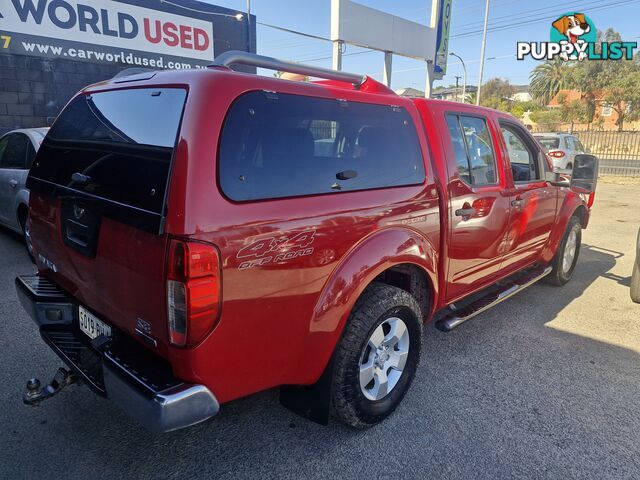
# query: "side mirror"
585,173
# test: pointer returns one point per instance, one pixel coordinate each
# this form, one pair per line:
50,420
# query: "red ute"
205,235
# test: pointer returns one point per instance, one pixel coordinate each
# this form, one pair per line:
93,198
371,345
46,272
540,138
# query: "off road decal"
273,250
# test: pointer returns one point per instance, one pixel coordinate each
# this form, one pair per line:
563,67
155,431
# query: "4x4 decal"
274,249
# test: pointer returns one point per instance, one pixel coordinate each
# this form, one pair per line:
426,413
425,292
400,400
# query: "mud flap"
312,402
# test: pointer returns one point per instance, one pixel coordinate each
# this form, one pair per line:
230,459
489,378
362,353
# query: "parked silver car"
561,148
17,151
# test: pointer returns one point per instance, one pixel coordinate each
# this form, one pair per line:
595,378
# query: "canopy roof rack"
236,57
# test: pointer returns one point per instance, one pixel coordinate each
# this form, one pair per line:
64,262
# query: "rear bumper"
137,380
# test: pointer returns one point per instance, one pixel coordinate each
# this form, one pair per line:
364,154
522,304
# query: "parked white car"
17,150
561,148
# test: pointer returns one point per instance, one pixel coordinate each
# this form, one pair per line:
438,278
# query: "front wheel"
564,262
377,357
635,279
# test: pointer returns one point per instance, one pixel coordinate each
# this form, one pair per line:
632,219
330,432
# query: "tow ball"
35,394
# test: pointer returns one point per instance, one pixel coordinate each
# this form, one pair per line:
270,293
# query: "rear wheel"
564,262
23,217
377,357
569,166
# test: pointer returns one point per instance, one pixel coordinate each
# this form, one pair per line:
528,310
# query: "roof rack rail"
237,57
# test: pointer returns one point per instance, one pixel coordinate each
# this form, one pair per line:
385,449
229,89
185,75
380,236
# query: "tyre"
635,277
564,262
635,281
377,357
26,234
569,166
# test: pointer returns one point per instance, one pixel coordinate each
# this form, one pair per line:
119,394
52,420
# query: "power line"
538,19
583,6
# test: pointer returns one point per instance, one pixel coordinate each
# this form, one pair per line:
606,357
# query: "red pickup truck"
204,235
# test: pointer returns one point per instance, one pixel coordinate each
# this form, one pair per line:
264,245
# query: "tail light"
556,154
193,291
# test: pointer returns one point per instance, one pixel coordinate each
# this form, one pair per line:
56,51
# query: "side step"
460,315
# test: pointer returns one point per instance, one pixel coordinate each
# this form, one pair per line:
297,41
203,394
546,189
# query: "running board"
459,316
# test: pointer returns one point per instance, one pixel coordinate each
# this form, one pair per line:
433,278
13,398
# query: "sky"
513,21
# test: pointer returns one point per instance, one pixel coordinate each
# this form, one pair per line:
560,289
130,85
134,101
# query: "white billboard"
110,24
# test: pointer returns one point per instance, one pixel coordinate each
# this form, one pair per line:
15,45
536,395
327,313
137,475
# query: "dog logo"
575,29
573,36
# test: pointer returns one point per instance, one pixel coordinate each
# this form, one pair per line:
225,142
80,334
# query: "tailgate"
98,203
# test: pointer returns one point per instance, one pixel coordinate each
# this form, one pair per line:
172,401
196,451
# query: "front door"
533,201
478,208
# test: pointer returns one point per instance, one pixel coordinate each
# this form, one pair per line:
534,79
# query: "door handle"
13,183
465,212
518,203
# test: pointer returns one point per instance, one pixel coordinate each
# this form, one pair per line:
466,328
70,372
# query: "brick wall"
34,90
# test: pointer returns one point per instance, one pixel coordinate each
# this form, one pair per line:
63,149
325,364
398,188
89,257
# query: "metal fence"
619,152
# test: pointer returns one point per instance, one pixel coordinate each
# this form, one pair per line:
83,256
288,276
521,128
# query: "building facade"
50,49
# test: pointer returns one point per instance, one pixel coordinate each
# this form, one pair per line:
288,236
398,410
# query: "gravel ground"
544,385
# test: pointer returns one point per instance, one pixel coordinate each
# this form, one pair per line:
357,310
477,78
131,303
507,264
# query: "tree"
547,119
548,78
497,93
572,111
498,87
620,82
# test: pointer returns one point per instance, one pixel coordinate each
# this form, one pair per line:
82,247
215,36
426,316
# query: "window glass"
570,143
31,154
549,143
480,151
15,152
3,145
459,150
280,145
579,147
524,164
121,141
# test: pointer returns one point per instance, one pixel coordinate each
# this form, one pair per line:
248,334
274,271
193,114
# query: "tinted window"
459,148
14,155
578,145
121,140
478,149
278,145
549,143
524,164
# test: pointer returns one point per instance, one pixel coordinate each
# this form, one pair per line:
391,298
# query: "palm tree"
548,78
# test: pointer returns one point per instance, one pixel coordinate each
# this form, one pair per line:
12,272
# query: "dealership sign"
105,27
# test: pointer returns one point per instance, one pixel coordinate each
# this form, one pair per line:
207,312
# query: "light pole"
464,81
484,45
249,24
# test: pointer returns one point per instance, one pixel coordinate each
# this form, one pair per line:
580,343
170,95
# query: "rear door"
15,149
532,200
478,208
98,188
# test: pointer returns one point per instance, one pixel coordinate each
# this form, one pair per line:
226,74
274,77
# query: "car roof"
36,135
542,134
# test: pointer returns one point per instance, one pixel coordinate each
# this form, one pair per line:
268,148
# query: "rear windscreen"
116,145
548,143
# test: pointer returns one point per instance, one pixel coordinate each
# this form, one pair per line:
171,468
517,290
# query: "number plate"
91,325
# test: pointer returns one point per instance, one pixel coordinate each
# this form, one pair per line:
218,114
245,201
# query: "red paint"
291,270
174,35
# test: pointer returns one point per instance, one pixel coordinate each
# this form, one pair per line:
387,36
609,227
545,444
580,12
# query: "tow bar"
34,394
